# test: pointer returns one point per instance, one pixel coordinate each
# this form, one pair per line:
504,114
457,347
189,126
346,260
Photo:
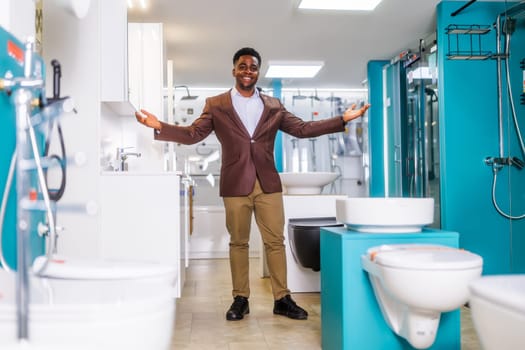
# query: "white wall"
18,17
76,44
125,131
97,130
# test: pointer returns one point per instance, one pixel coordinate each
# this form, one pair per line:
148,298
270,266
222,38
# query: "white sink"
385,215
306,183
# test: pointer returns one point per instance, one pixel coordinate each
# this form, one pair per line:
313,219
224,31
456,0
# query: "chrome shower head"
188,96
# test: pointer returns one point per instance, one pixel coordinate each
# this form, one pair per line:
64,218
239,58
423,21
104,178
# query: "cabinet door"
113,50
139,222
145,52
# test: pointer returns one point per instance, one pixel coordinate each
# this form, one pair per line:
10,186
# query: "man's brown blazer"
246,158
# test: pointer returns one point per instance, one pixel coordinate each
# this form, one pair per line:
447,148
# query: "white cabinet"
139,218
113,50
131,77
131,61
145,56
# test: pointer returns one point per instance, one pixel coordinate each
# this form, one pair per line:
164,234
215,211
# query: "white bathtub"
131,306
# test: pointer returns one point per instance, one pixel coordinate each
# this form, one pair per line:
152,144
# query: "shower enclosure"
410,124
480,50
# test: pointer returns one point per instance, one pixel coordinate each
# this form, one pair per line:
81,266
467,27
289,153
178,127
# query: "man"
246,122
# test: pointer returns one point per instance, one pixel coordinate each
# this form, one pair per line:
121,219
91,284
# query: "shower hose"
497,167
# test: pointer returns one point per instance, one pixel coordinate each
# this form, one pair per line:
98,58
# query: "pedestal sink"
385,215
306,183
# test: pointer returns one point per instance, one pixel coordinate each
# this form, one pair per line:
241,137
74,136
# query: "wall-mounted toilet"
304,235
90,304
415,283
497,305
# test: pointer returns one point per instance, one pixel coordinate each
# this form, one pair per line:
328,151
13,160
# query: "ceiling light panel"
143,4
293,69
343,5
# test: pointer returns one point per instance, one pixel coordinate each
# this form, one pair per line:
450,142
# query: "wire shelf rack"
464,42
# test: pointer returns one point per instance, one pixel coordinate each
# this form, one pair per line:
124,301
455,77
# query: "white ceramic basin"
306,183
385,215
92,304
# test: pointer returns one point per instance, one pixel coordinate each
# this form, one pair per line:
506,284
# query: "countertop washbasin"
306,183
385,215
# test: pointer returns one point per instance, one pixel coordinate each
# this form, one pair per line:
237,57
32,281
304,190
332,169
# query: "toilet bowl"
497,306
305,237
86,304
415,283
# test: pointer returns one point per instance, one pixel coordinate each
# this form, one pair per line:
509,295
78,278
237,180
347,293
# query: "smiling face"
246,73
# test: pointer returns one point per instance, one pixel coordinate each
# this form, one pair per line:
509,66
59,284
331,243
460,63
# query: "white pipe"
511,99
500,107
45,195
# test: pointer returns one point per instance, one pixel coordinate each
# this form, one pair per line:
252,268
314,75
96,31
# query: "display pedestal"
350,315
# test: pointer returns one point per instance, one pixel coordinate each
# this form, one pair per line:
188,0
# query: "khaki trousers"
269,216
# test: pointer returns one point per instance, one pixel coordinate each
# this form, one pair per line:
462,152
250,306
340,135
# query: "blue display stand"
11,65
350,315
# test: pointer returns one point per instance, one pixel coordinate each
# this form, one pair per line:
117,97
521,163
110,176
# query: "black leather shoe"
287,307
239,308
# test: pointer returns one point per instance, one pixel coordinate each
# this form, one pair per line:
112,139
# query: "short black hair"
246,51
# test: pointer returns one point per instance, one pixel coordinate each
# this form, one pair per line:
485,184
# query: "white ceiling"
202,36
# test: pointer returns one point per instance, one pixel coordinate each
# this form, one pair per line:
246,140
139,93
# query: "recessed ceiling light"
355,5
293,69
144,4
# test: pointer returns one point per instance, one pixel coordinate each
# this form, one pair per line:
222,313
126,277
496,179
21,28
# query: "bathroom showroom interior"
415,212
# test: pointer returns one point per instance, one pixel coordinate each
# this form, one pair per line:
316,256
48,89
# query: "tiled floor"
201,324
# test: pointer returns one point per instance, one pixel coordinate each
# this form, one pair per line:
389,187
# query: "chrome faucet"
123,155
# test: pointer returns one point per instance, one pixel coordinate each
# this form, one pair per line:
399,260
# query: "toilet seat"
423,257
97,281
507,291
91,269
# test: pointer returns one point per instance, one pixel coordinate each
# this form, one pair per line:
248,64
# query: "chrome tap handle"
122,156
122,150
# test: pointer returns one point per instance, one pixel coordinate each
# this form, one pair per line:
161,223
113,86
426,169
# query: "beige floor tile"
248,345
201,324
469,338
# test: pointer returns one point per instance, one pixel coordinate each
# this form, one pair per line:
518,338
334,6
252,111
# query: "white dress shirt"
249,109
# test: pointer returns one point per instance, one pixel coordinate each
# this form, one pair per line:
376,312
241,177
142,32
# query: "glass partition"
341,153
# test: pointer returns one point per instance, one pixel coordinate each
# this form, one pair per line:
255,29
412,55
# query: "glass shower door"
394,108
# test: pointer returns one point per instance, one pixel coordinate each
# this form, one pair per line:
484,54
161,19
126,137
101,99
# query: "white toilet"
87,304
497,305
415,283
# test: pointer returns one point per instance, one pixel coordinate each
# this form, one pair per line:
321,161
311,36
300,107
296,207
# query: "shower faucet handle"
43,229
499,162
518,163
